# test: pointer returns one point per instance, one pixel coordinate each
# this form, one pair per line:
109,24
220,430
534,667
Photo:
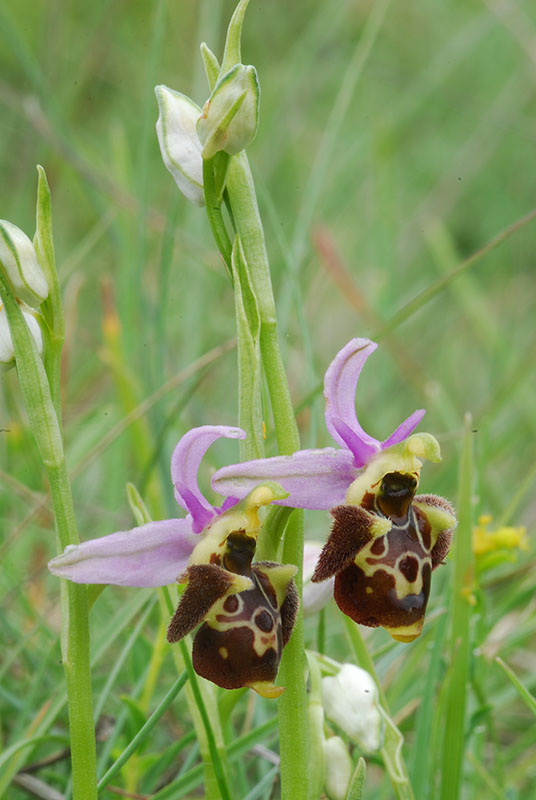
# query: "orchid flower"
319,479
247,610
386,541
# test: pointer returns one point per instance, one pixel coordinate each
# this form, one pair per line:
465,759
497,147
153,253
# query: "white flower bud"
7,356
19,261
351,701
315,595
231,114
338,765
179,143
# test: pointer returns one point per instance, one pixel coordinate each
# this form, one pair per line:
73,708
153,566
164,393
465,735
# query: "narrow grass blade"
460,638
524,693
144,731
422,764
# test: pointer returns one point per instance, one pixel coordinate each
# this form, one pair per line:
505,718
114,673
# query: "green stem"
215,217
293,729
75,623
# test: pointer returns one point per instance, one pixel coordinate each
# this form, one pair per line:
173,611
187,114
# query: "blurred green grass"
432,158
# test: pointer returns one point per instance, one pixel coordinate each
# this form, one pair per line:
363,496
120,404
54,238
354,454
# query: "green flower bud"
7,356
338,768
231,114
179,143
19,261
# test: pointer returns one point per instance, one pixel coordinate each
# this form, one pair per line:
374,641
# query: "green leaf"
44,245
357,784
460,638
136,715
232,53
211,65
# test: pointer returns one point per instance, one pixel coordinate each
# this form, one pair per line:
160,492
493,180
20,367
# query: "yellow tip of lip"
266,689
400,637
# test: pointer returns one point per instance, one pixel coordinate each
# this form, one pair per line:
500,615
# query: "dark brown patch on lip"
264,621
369,501
242,666
380,605
377,547
265,584
230,604
424,527
409,567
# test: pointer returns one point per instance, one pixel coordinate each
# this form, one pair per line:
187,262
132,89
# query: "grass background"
378,173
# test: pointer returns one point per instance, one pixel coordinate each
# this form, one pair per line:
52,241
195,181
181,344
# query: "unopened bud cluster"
227,123
23,273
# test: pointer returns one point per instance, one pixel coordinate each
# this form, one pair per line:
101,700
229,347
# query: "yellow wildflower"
503,538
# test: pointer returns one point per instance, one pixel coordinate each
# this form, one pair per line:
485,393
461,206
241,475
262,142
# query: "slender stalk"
215,218
75,624
292,704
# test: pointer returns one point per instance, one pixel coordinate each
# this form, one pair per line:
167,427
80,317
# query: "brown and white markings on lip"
382,577
248,613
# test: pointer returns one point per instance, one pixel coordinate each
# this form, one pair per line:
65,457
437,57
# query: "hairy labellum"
383,551
248,613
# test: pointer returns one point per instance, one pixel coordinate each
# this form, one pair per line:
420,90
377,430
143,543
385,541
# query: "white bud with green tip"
230,116
7,355
19,262
179,142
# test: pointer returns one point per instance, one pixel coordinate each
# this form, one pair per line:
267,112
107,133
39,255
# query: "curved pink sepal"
151,555
340,383
185,462
316,479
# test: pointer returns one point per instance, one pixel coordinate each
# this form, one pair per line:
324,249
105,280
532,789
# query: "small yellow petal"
266,689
